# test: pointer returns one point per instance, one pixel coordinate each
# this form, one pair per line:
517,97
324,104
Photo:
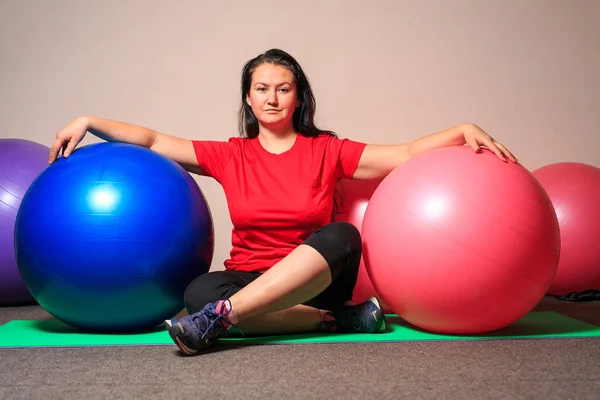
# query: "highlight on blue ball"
109,238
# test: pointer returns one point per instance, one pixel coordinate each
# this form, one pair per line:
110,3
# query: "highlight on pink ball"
354,195
460,242
574,189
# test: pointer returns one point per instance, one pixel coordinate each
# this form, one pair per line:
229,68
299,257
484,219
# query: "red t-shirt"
276,200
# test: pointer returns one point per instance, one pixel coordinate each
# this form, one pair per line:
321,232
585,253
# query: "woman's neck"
277,142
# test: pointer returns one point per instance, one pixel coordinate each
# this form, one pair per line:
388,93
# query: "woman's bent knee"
340,244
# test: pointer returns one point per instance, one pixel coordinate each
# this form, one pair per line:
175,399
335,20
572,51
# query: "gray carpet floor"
500,369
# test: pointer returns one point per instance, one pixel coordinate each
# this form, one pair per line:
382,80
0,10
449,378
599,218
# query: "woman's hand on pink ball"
476,137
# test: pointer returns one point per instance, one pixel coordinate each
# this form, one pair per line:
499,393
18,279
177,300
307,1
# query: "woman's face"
273,96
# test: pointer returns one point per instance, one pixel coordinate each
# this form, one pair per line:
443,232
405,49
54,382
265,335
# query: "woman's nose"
273,97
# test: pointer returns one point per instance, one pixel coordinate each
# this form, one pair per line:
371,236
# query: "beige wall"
527,71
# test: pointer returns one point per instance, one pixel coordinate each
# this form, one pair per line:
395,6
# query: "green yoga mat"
53,333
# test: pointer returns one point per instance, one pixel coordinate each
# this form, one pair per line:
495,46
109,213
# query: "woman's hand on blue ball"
68,138
476,138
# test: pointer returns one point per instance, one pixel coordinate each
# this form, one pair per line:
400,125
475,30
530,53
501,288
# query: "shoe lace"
212,319
327,326
348,321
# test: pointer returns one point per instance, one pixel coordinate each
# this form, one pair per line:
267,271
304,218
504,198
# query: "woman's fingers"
57,145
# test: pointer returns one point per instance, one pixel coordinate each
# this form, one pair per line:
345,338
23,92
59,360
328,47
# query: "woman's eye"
284,90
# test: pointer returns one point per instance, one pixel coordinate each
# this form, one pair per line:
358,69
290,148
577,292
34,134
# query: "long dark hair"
304,115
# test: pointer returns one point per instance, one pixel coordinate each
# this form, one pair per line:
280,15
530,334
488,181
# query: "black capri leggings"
339,243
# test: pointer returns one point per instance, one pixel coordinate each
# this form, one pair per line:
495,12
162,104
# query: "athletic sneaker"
194,332
367,317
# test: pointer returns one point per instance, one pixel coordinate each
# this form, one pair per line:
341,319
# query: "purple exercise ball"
21,161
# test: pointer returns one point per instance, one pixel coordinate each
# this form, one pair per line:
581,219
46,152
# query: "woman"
290,268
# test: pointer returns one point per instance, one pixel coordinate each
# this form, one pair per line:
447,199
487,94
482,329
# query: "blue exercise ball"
109,238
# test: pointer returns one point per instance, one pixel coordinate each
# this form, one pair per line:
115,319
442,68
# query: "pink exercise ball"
354,195
574,189
460,242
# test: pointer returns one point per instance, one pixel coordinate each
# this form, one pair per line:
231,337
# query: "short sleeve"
350,152
213,156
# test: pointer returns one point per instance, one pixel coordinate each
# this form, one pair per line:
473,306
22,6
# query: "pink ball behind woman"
354,195
574,189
